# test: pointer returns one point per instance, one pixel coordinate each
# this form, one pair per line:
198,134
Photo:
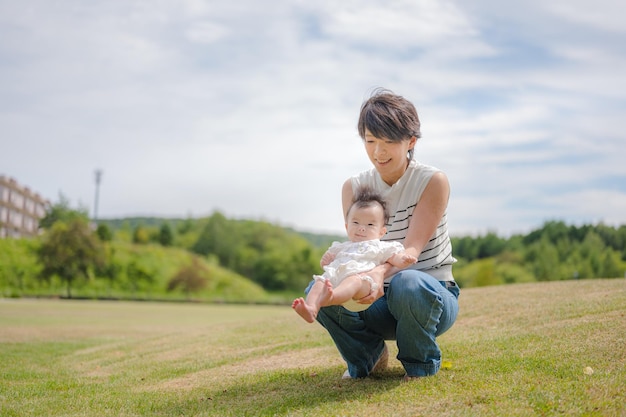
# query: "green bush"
18,266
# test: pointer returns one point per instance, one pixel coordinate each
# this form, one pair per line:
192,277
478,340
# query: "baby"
344,263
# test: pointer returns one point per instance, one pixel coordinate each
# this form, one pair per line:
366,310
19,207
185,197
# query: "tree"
221,237
610,266
141,235
104,233
486,273
70,251
166,236
551,230
138,273
191,278
544,259
112,268
465,247
61,211
490,245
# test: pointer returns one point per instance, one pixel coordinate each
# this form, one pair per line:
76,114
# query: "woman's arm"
427,214
347,195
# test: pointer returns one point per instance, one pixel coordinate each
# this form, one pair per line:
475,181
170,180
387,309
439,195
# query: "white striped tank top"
436,258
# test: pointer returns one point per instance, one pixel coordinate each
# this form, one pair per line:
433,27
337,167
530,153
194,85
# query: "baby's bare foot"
305,311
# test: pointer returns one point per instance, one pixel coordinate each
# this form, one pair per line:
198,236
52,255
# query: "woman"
414,305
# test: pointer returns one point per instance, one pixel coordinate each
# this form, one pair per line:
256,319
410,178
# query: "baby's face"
366,223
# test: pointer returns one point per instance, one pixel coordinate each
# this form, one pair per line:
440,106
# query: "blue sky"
250,107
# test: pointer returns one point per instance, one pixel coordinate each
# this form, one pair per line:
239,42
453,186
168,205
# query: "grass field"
556,348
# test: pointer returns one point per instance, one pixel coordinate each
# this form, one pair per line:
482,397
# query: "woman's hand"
378,276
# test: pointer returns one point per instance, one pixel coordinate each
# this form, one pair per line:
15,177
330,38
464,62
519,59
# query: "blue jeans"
415,309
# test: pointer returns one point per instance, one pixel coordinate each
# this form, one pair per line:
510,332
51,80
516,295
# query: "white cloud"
395,24
603,15
193,106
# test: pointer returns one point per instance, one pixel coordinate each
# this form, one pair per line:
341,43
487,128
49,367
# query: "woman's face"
389,157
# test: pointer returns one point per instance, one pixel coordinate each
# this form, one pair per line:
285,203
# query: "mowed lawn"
556,348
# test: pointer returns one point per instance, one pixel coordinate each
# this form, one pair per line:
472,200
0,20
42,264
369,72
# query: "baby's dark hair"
366,197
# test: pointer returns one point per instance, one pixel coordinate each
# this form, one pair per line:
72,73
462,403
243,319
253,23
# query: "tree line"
155,257
556,251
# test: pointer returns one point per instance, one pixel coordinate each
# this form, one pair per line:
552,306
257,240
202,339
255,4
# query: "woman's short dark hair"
390,116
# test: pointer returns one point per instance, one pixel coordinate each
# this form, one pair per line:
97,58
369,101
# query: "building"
20,209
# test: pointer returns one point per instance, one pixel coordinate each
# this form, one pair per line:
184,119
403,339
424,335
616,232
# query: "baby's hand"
402,260
326,259
409,259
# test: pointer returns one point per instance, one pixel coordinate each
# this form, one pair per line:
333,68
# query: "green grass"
516,350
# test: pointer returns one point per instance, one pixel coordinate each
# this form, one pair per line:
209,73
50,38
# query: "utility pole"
98,179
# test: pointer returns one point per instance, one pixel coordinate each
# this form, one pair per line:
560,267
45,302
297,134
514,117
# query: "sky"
249,107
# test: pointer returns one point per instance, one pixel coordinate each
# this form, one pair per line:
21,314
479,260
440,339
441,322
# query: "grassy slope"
526,349
17,258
